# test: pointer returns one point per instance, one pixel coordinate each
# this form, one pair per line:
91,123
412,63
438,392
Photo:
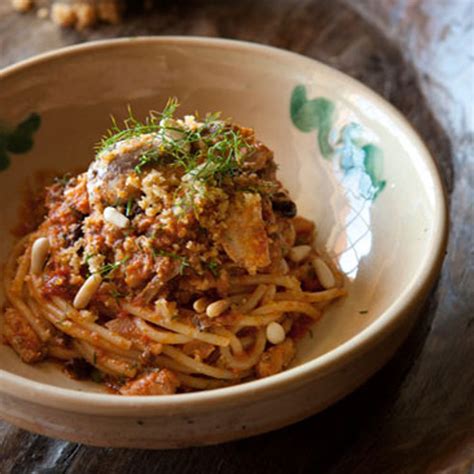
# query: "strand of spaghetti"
269,295
140,343
163,337
288,307
65,326
253,300
58,318
180,328
45,328
9,272
62,353
106,334
21,272
238,298
235,343
167,363
246,341
311,297
244,360
286,324
12,278
103,362
200,382
196,334
131,355
75,330
240,291
27,314
286,280
249,321
197,366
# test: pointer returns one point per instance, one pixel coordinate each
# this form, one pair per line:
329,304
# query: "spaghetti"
176,262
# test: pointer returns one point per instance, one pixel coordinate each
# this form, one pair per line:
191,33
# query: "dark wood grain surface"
416,414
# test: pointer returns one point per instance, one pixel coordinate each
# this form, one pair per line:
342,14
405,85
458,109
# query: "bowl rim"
401,308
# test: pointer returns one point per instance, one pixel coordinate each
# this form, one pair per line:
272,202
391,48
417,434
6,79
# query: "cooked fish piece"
162,382
276,358
21,337
245,239
109,179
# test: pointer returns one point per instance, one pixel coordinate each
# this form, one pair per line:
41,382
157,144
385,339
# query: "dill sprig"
116,294
106,270
208,153
63,180
133,127
128,209
223,158
183,261
150,156
213,267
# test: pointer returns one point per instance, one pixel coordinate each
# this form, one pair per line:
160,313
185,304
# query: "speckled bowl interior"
350,161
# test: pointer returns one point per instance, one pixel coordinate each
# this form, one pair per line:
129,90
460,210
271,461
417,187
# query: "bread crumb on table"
42,13
85,14
78,14
109,11
23,6
63,14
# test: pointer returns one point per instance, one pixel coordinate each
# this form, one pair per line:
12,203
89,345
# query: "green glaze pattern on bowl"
347,146
17,140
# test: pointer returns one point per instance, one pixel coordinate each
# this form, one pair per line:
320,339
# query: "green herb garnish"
63,180
97,376
183,264
132,127
208,153
213,267
149,157
116,294
128,209
183,261
108,268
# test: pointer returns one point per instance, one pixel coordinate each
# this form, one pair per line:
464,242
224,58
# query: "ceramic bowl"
350,160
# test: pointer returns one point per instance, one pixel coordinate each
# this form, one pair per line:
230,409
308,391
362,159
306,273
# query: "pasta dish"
176,262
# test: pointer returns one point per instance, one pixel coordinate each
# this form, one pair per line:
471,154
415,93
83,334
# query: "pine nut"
217,308
275,333
200,304
87,291
39,253
299,253
324,273
284,268
112,216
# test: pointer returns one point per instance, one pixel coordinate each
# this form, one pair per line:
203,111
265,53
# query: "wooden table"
417,414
